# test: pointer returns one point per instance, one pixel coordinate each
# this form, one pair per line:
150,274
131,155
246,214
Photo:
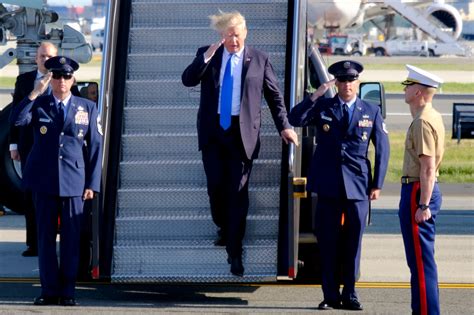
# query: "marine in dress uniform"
233,78
61,173
421,198
341,175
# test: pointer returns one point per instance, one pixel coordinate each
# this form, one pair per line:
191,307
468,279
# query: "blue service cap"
61,64
346,69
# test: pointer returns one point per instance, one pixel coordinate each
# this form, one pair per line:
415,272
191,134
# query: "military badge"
326,127
62,60
366,123
364,136
43,130
81,118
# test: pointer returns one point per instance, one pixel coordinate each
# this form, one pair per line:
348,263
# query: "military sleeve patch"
99,126
384,127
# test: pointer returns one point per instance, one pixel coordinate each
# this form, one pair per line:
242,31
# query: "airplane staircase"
164,231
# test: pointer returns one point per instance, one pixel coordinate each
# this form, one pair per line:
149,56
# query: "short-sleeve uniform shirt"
425,136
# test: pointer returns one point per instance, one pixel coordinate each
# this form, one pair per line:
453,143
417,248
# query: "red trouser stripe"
418,254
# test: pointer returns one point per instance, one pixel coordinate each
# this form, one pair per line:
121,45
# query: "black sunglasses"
346,79
66,76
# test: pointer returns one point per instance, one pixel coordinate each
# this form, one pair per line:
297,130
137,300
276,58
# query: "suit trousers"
419,241
58,279
228,171
340,244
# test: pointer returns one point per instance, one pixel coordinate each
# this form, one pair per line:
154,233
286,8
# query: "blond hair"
223,20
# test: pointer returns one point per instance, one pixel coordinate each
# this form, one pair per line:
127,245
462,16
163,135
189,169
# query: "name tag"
47,120
326,117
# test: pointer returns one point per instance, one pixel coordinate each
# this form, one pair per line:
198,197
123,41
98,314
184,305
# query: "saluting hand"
289,135
322,89
41,86
212,49
88,194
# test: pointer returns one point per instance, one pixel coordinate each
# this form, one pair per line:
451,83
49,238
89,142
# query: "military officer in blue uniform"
421,198
341,175
62,170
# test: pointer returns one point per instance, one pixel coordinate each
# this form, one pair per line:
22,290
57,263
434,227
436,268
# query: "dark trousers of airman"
419,240
340,244
58,279
228,171
30,220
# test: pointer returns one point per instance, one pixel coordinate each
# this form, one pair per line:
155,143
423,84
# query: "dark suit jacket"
58,163
258,79
340,159
23,137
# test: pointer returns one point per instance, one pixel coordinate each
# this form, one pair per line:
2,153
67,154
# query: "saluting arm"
21,115
302,114
193,73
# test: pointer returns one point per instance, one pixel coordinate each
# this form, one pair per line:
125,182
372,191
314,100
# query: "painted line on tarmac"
362,285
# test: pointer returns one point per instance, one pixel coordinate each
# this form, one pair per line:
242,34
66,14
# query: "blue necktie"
226,95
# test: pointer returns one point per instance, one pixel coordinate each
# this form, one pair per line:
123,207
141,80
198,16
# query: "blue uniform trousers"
340,244
419,240
58,279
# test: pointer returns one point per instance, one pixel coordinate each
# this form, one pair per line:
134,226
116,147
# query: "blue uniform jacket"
66,156
340,160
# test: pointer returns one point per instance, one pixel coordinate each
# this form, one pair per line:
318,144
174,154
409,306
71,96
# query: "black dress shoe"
30,252
352,305
46,300
329,305
236,266
67,302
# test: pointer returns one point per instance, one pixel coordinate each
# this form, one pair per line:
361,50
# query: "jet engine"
446,15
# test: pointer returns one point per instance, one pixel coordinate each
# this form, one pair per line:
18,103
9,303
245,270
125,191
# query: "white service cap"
420,76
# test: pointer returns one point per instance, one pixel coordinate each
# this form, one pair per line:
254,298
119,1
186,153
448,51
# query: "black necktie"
61,111
345,116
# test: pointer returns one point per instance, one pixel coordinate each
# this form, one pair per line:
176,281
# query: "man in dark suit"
21,138
61,173
340,174
233,78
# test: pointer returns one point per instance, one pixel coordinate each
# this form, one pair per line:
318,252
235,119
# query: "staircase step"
179,173
175,119
156,13
189,197
146,146
186,228
205,263
171,39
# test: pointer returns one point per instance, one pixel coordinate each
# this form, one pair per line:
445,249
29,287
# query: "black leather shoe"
236,266
30,252
352,305
67,302
329,305
46,300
